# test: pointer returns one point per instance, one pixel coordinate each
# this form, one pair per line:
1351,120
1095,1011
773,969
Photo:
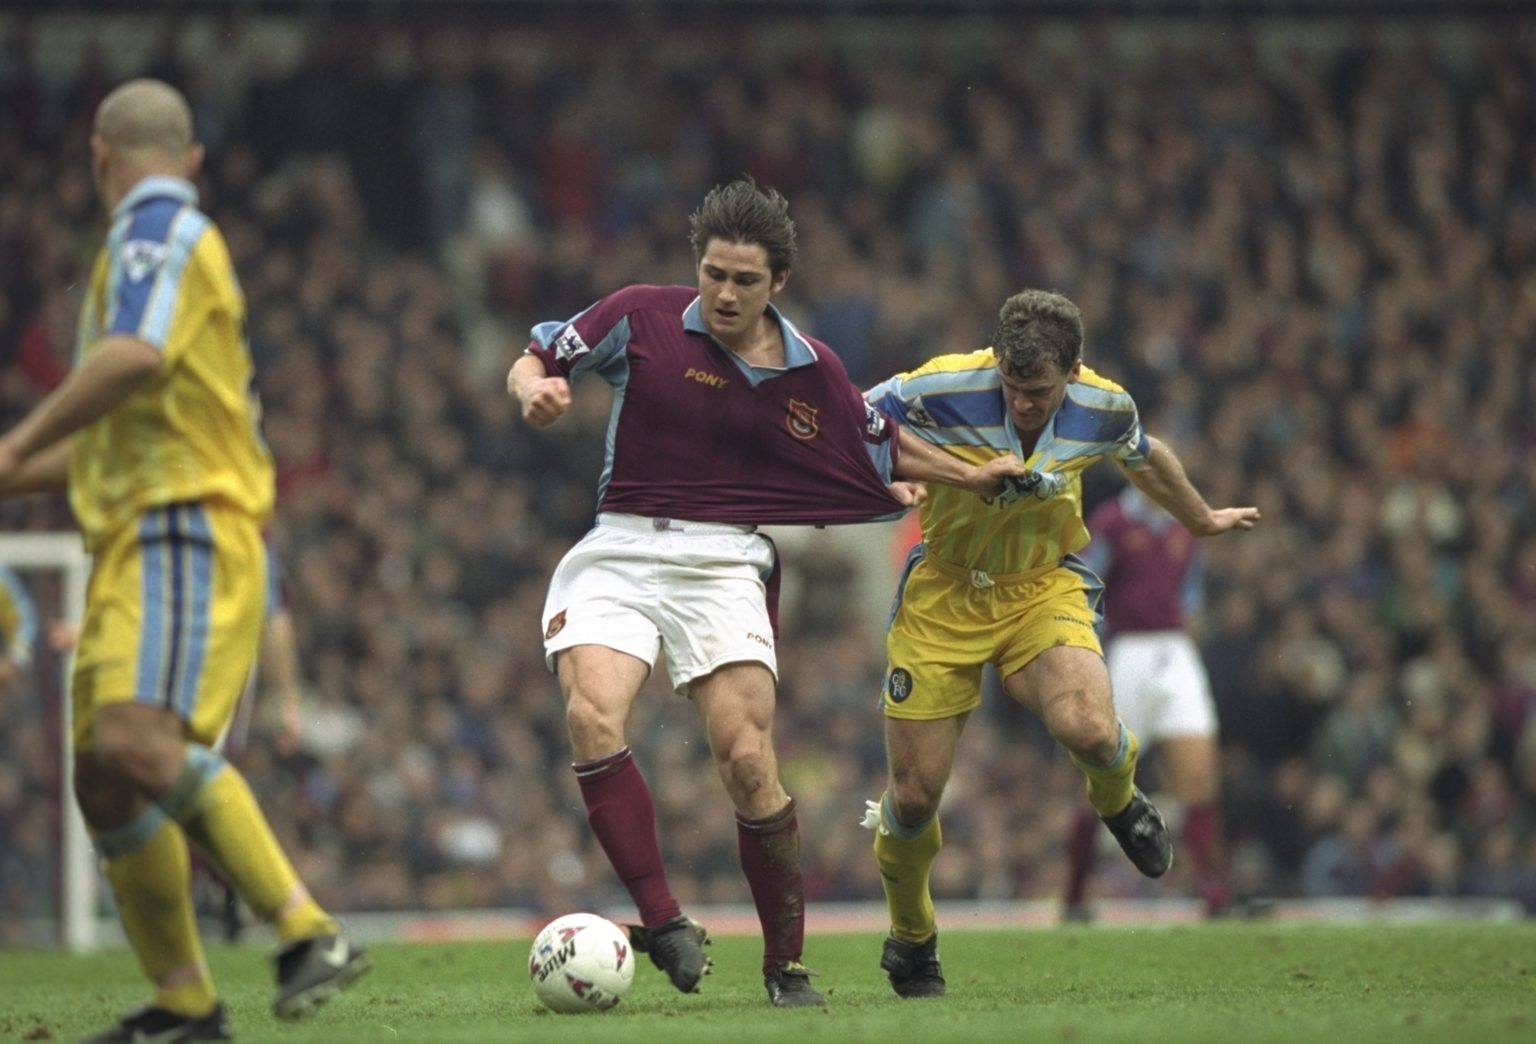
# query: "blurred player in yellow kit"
155,435
18,630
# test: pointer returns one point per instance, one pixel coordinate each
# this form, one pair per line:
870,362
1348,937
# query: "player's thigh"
921,756
172,619
940,638
1052,649
605,678
1068,686
737,703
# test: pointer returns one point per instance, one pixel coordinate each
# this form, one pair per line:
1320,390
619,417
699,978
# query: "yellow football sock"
1109,786
906,855
216,807
146,863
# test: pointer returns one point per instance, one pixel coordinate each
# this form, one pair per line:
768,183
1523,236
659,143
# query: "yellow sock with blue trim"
145,861
1109,786
215,806
906,856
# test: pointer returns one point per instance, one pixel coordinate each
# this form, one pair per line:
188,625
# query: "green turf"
1409,984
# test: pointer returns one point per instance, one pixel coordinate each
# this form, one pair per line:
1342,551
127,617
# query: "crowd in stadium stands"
1310,254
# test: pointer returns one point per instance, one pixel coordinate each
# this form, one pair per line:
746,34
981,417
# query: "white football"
581,962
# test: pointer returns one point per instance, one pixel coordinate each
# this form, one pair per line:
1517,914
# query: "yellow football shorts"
173,618
949,622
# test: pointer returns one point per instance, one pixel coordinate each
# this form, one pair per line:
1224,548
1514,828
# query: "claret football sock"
1082,845
623,816
770,858
1202,837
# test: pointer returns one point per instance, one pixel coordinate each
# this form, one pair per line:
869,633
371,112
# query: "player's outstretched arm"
46,471
921,461
29,454
1161,477
544,399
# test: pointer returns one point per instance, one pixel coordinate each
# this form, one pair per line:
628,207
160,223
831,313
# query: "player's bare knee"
106,799
914,800
746,769
1086,729
593,727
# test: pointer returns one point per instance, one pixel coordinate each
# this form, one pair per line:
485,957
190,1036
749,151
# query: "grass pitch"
1221,982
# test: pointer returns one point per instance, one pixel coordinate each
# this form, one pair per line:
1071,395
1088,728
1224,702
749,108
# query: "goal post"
65,554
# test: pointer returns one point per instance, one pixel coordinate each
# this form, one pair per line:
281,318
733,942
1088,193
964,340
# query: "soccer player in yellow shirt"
155,434
18,630
995,580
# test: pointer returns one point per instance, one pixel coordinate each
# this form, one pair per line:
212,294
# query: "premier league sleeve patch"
569,346
142,257
875,424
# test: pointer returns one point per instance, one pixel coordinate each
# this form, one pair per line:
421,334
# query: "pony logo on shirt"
801,420
569,346
141,257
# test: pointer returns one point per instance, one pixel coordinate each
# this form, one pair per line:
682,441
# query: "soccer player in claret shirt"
1153,587
996,580
725,417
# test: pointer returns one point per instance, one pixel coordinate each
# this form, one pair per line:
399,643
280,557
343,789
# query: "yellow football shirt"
192,432
956,402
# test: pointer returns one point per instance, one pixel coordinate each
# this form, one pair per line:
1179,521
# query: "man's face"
734,287
1032,400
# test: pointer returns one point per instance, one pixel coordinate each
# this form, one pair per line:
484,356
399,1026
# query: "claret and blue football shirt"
696,433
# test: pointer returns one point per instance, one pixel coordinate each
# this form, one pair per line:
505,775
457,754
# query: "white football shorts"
694,590
1161,687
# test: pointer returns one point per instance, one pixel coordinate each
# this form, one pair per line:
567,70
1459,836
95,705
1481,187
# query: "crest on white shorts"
556,625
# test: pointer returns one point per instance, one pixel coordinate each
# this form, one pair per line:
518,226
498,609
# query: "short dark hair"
1037,327
740,212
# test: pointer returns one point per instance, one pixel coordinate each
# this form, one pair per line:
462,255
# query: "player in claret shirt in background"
725,417
1153,587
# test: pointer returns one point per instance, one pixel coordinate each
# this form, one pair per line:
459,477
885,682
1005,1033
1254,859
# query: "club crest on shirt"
899,685
569,346
918,415
801,420
556,625
141,257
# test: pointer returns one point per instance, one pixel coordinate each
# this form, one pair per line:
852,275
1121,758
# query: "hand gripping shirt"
956,403
695,433
191,432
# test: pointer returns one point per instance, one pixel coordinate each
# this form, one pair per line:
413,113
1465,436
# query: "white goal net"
53,569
